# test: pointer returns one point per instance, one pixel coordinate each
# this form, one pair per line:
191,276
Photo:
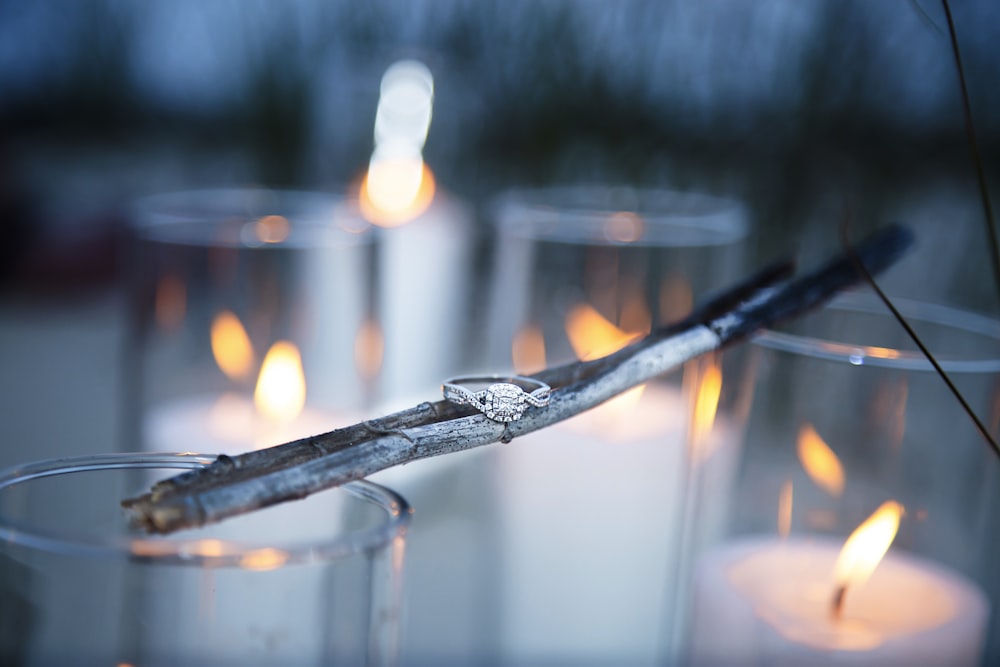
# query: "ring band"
504,399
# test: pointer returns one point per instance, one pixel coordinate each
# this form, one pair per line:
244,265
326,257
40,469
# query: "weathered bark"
235,485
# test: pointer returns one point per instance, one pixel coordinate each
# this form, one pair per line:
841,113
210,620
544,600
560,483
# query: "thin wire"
916,339
970,131
927,17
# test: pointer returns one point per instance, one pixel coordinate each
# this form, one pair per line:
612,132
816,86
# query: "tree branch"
236,485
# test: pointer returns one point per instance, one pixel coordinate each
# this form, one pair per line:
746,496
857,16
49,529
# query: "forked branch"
236,485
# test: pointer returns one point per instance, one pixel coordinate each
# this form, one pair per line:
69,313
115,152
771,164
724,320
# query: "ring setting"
504,399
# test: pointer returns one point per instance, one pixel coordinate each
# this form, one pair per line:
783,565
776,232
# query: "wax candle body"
590,514
226,423
230,424
423,267
768,602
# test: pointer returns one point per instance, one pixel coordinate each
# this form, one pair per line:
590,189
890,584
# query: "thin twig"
977,158
252,464
926,17
917,341
236,485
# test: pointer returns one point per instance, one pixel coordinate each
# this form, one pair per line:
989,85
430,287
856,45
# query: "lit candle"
424,242
807,601
230,422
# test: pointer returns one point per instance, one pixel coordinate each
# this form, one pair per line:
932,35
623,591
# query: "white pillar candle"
422,276
768,601
226,423
590,517
229,423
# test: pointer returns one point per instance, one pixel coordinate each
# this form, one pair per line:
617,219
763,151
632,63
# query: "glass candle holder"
81,587
251,319
852,433
591,511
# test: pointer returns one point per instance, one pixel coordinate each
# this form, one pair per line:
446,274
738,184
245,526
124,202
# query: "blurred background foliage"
804,110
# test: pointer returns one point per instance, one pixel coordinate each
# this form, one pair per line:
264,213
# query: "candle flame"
867,545
820,462
706,405
399,186
281,388
231,346
528,350
396,190
592,336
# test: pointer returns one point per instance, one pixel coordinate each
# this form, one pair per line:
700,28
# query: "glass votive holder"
313,582
852,433
251,315
591,511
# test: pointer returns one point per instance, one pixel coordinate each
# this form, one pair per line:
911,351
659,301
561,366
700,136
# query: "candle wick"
837,602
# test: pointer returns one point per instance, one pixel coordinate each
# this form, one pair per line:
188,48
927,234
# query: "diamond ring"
503,400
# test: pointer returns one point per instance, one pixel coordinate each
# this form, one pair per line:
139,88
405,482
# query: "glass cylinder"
852,432
591,510
312,582
251,319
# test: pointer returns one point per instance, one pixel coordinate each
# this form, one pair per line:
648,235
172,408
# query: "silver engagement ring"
503,400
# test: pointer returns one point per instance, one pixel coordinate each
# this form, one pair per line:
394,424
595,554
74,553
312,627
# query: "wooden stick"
236,485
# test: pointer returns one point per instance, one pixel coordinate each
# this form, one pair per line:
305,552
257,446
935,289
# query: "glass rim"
317,218
670,218
882,357
192,551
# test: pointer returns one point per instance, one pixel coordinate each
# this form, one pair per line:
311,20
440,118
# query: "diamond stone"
504,402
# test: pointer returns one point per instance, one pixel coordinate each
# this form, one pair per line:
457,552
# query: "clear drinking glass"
251,319
580,272
312,582
847,416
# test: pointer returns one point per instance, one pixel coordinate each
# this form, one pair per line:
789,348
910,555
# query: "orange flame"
706,404
281,388
396,190
820,462
528,350
867,545
231,346
592,336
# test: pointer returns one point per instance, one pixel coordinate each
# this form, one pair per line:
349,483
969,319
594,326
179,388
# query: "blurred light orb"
405,102
396,190
624,227
398,185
